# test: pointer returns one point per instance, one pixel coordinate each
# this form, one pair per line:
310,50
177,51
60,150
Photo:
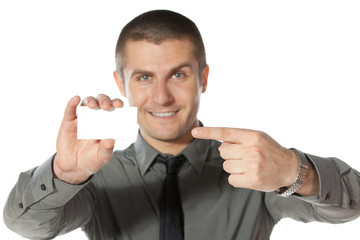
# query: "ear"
120,83
205,75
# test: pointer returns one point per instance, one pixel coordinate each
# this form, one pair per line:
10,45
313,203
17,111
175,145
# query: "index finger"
231,135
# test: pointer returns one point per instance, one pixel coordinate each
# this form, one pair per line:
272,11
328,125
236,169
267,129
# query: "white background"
289,68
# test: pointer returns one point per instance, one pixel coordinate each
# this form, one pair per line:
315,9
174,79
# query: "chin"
166,135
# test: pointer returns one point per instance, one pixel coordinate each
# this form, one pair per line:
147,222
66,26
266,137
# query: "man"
162,70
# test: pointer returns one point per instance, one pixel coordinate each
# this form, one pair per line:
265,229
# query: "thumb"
105,151
70,110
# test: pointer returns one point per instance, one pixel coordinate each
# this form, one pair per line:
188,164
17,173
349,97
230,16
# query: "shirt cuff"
44,191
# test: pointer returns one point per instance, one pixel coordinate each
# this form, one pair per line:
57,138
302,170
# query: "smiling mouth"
162,114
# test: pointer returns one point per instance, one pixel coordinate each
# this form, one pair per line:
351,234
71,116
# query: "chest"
128,204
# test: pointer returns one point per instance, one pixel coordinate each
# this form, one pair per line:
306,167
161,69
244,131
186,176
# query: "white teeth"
165,114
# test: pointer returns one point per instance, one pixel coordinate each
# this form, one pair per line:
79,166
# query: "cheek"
135,95
134,98
193,95
191,99
188,92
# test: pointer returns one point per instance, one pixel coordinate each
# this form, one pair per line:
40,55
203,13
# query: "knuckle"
257,153
258,177
257,136
101,95
89,100
231,180
104,101
226,166
118,102
223,154
257,168
225,133
90,97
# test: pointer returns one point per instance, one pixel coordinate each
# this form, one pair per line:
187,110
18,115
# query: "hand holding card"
98,118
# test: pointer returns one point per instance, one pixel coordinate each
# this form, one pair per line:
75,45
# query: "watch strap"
301,174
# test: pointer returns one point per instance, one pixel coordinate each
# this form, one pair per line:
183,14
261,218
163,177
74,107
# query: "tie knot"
172,164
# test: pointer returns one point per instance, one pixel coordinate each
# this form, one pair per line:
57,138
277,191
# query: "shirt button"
43,187
21,205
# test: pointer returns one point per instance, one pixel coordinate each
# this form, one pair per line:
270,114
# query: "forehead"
142,54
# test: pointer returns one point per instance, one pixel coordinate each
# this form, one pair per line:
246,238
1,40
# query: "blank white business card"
118,124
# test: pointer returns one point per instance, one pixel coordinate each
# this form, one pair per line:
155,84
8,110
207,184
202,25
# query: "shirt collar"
145,154
196,153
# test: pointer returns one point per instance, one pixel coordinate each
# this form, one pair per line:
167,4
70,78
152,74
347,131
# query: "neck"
172,147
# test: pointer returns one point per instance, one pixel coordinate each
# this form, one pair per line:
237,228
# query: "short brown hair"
157,26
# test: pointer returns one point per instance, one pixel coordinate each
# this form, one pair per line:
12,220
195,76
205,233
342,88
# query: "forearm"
42,207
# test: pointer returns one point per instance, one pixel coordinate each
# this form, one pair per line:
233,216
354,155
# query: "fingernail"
195,132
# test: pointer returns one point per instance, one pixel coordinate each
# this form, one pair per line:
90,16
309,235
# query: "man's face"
163,82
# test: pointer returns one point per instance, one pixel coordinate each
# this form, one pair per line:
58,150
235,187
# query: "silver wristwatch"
304,165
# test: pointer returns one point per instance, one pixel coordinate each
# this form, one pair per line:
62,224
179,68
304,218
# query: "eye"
178,75
145,77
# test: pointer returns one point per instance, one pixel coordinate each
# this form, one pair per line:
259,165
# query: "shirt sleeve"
42,207
338,200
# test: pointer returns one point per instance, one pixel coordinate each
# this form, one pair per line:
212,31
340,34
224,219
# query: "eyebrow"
182,65
172,70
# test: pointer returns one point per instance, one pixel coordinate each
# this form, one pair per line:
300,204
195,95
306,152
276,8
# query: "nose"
162,94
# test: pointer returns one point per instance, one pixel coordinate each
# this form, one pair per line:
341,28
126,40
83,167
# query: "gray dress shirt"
121,201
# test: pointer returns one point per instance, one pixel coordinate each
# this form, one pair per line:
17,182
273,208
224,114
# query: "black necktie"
171,214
